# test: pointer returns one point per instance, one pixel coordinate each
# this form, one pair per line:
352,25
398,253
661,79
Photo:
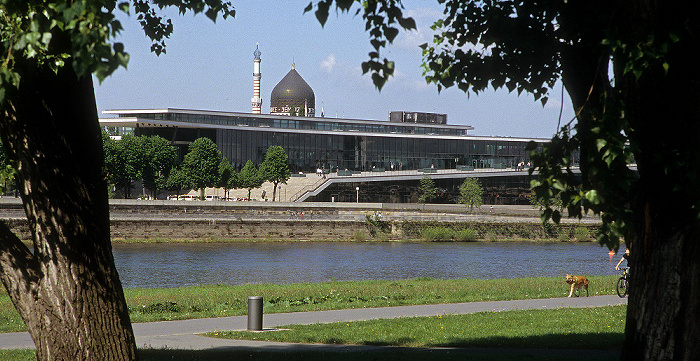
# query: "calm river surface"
174,265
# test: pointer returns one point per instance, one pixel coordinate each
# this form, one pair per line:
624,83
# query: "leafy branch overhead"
79,34
383,21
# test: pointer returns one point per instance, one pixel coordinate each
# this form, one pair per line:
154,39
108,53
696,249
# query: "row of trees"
154,162
471,193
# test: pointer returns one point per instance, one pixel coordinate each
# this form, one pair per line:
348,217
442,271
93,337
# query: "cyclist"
624,257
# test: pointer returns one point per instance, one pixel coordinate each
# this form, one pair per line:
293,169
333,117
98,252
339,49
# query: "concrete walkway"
185,334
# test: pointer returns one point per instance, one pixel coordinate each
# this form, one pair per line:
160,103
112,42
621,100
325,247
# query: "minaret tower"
256,101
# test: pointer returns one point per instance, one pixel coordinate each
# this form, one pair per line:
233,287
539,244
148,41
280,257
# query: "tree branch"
19,269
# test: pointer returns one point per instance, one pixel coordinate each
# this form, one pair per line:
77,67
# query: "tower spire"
256,101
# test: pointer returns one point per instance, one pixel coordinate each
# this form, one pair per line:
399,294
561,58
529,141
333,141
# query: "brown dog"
577,282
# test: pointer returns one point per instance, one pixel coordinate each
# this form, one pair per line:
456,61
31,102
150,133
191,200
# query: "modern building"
406,141
327,143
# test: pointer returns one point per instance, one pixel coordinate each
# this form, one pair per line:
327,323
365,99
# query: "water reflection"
173,265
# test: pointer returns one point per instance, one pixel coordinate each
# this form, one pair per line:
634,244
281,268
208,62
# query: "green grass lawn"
216,301
510,335
599,328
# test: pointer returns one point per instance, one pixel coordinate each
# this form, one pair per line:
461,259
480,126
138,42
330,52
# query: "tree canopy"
630,69
67,289
275,167
427,190
201,164
249,177
471,194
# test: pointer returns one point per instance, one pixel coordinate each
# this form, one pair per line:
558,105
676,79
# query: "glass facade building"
327,143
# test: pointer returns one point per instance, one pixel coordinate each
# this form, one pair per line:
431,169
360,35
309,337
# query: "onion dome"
293,95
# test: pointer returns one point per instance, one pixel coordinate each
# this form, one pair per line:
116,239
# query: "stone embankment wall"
220,229
235,229
281,221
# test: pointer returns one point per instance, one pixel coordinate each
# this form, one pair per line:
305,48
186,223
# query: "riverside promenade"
185,334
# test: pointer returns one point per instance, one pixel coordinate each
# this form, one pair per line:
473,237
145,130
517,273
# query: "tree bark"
663,107
67,291
663,110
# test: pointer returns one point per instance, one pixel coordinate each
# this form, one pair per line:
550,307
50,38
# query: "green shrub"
437,234
581,234
564,236
466,235
358,236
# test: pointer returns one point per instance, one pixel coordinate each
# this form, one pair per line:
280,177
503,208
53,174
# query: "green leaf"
593,197
600,144
391,34
322,13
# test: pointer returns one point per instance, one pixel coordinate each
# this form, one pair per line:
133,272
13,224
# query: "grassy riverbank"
600,328
532,335
219,300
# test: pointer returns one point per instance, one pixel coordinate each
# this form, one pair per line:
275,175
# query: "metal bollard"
255,313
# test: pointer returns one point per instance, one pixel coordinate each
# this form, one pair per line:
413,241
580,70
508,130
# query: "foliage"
124,160
178,181
375,225
466,235
471,194
249,177
159,158
445,234
7,171
228,179
383,20
428,190
146,158
49,51
78,34
275,167
201,163
490,231
437,234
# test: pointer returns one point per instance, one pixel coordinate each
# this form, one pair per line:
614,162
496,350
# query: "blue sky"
209,66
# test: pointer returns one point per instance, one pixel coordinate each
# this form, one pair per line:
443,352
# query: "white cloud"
414,38
422,13
329,63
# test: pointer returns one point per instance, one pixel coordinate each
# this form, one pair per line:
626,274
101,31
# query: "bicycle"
623,283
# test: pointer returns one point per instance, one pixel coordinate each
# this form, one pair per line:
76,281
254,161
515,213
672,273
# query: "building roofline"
156,123
271,116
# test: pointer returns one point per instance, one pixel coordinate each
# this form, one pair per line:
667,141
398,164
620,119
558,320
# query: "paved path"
184,334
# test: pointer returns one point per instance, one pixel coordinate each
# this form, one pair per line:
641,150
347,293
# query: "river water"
183,264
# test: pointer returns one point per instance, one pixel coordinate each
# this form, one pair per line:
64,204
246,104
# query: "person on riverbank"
623,258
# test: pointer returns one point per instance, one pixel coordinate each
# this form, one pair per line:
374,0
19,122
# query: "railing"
306,189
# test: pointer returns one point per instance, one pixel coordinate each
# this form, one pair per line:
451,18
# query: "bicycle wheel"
622,286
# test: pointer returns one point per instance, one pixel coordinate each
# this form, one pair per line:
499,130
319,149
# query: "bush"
466,235
437,234
581,234
358,236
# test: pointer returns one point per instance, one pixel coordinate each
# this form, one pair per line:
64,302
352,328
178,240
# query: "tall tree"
201,164
249,177
275,167
178,181
133,156
160,158
428,190
228,178
66,289
644,111
471,194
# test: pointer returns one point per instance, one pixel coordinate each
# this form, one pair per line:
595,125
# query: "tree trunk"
663,316
67,291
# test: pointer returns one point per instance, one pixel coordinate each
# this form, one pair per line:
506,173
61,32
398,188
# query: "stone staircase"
295,187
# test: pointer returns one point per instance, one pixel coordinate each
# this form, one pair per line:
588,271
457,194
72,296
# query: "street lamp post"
357,189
